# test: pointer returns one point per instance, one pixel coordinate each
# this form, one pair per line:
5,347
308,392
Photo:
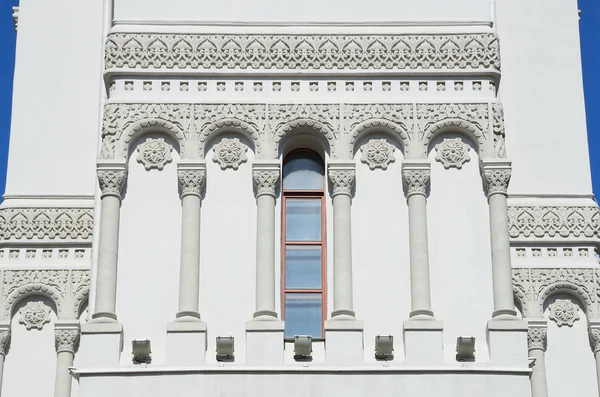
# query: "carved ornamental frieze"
435,52
267,125
46,223
553,222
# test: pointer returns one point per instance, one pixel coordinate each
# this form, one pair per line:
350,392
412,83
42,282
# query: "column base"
188,315
504,314
344,343
423,341
101,344
507,342
264,341
186,343
421,314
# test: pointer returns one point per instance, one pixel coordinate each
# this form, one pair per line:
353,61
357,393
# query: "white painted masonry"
144,200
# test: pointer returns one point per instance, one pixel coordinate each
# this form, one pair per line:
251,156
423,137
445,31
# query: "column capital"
594,335
416,175
536,334
342,176
496,175
111,176
4,337
66,336
265,176
191,176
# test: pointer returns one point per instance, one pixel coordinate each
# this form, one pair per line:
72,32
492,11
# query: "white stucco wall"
55,113
312,10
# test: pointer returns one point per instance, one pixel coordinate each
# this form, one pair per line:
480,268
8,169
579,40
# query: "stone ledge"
345,325
507,325
186,326
265,326
100,327
423,325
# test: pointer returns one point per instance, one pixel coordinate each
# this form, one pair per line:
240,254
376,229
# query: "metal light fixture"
302,347
224,348
465,348
141,349
384,347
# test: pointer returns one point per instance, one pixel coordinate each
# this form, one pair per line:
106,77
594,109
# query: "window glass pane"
303,219
303,315
303,171
303,266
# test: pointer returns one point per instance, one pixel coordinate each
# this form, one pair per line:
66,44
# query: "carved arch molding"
266,125
537,285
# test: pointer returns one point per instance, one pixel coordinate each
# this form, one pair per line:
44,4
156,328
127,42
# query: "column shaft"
265,256
539,384
342,256
597,357
189,274
63,380
108,248
419,256
501,263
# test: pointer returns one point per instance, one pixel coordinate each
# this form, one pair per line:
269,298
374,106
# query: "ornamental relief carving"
46,223
66,340
68,289
302,51
342,181
377,153
536,338
34,315
536,222
452,153
265,182
563,312
416,181
230,153
154,154
266,125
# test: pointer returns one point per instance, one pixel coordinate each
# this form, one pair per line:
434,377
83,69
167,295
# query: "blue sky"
590,37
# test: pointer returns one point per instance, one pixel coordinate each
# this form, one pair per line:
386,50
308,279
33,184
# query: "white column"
191,179
265,332
342,178
111,176
416,178
266,179
186,336
67,336
536,344
594,334
4,341
496,175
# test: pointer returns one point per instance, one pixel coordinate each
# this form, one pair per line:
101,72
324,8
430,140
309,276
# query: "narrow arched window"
303,244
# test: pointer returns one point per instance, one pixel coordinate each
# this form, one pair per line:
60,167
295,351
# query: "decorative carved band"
266,126
297,51
535,222
46,223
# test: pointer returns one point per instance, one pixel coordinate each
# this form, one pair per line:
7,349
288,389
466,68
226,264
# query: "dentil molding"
439,52
267,125
46,223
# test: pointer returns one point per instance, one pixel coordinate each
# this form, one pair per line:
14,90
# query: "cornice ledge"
425,53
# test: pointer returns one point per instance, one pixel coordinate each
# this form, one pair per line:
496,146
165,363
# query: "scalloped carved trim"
537,222
46,223
302,51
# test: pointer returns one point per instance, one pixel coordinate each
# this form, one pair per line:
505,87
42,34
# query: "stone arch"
143,126
284,132
367,127
229,124
80,301
519,298
569,288
28,290
459,126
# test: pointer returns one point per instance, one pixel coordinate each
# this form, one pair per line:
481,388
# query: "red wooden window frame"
297,193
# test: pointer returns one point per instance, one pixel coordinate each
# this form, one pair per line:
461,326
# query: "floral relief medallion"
377,153
230,153
452,152
34,315
564,312
154,153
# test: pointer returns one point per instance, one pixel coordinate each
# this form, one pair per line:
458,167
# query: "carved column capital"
496,176
416,175
191,176
111,176
536,335
342,176
266,178
66,337
594,335
4,338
